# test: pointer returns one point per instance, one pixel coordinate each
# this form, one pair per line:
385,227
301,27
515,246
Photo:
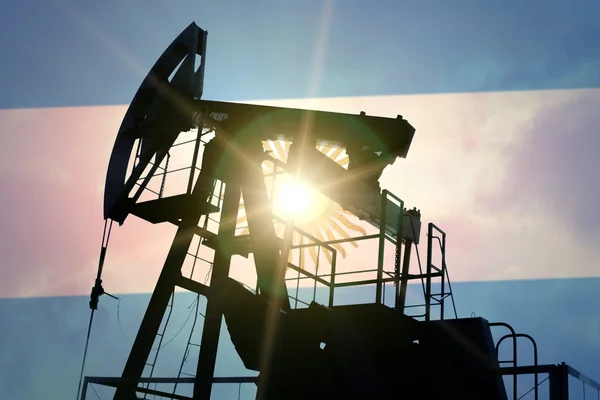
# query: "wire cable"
533,388
87,342
97,291
168,341
94,389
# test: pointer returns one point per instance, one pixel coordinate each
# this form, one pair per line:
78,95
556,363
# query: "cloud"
555,169
475,169
51,175
511,177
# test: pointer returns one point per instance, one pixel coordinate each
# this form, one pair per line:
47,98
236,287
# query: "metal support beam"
428,269
381,251
559,382
84,388
214,312
527,369
195,159
263,239
272,340
193,286
404,277
154,393
109,380
169,276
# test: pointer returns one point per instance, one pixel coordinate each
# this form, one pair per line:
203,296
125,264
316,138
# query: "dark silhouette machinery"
325,350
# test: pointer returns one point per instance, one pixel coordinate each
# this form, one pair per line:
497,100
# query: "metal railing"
113,382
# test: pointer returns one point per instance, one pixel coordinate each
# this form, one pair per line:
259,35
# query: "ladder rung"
194,344
185,373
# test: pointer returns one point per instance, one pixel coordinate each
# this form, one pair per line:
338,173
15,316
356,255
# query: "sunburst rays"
326,220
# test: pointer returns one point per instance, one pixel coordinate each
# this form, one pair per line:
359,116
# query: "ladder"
190,344
161,334
437,299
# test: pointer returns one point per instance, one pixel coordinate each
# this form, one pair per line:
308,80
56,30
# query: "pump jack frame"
162,109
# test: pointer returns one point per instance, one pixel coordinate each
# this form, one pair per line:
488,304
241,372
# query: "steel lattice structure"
320,350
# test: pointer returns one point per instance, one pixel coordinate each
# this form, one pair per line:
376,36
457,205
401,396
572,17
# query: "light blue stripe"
53,57
42,339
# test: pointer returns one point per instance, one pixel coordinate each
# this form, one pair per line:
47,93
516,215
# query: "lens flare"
311,211
293,198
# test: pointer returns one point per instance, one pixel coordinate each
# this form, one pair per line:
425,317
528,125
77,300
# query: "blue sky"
504,95
266,50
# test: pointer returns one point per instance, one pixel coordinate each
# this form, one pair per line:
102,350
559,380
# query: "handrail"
583,378
115,381
514,362
535,355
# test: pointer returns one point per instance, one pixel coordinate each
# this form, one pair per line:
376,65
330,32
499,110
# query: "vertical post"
443,281
401,296
300,261
398,260
214,307
271,343
381,254
269,258
428,278
288,241
332,278
84,389
559,383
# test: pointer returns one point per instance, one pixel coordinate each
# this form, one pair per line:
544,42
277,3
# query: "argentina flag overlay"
504,96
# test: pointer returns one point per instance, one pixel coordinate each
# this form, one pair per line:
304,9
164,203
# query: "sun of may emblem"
314,213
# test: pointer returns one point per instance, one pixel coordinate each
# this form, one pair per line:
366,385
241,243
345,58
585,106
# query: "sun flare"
312,212
293,198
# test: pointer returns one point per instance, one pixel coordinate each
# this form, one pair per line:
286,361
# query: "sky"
503,94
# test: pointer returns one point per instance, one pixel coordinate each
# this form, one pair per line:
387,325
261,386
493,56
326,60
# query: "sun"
312,212
293,198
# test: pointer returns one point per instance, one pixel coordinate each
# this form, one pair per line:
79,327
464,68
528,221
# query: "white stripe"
458,172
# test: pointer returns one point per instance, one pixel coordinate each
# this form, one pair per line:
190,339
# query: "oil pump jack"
371,351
